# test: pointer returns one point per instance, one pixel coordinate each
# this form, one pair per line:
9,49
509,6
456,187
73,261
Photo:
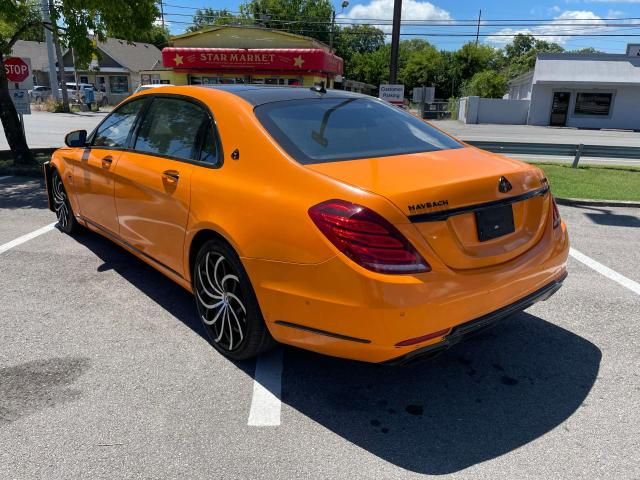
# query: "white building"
583,91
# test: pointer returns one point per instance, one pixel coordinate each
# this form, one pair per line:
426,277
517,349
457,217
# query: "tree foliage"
488,84
521,53
305,17
82,23
207,17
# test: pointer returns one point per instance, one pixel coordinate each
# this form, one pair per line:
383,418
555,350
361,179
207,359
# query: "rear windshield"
334,129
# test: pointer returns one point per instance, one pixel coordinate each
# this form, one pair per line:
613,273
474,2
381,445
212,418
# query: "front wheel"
226,303
66,219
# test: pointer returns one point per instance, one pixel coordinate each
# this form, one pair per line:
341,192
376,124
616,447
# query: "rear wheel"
227,305
66,219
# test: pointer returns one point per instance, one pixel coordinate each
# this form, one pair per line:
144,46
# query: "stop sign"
16,69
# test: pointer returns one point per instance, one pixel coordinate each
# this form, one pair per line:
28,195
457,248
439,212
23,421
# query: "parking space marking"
5,177
606,271
26,238
267,385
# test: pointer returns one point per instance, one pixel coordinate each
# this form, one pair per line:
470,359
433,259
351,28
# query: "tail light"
556,213
367,238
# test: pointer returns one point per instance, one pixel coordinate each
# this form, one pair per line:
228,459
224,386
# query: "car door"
153,180
93,171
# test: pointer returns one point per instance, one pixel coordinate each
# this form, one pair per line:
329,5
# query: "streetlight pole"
343,5
395,41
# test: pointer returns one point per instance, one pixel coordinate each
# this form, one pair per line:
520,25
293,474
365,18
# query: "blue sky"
562,15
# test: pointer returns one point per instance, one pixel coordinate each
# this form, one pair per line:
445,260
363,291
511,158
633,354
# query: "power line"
463,34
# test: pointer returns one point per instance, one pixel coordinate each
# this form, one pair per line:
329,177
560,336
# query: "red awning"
280,59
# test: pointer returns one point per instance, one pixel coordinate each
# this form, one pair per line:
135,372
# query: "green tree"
585,51
487,84
422,65
355,39
521,53
305,17
471,59
157,35
84,21
206,17
371,67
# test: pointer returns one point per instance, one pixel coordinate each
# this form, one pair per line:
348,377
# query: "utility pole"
395,41
478,30
53,79
162,12
333,26
56,43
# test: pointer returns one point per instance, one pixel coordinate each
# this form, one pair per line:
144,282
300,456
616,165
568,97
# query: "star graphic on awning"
298,61
178,59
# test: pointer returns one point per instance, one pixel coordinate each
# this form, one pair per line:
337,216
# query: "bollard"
577,157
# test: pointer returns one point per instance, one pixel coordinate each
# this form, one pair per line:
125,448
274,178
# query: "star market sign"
263,59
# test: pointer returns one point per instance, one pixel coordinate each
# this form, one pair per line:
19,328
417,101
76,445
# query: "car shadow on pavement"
166,293
21,192
481,399
610,218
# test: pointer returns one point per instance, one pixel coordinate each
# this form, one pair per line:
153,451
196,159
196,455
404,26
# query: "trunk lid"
440,192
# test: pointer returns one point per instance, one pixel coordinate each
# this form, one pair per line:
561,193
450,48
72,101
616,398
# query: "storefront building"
599,90
245,55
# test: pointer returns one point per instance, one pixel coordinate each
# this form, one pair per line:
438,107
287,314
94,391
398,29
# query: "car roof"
260,94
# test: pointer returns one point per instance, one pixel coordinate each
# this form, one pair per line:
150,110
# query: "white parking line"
26,238
5,177
606,271
267,385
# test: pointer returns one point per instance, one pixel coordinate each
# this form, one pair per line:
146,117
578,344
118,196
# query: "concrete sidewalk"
46,129
533,134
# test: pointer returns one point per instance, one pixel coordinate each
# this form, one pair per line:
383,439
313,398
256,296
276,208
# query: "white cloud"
383,9
552,30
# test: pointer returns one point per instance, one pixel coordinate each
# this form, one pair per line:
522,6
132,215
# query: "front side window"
334,129
114,131
593,104
170,128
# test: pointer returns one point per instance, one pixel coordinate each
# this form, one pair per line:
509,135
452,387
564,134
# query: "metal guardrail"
559,149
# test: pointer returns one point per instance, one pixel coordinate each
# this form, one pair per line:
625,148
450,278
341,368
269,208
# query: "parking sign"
392,93
21,101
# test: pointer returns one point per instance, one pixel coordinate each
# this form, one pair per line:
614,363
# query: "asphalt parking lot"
104,373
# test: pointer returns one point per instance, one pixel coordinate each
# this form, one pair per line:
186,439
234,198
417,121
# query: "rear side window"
171,128
114,131
334,129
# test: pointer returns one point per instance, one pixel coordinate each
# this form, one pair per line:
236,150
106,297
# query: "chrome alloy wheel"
60,203
219,301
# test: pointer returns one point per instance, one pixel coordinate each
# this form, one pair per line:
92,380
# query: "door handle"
106,162
171,175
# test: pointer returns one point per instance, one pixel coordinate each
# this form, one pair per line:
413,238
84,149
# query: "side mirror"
77,138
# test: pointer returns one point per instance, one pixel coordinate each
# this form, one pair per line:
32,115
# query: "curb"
579,202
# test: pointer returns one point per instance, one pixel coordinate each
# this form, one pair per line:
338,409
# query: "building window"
119,84
84,79
593,104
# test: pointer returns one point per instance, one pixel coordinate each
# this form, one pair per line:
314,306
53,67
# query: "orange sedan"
327,220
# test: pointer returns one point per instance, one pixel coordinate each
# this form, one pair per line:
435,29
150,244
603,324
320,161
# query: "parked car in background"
77,93
142,88
39,93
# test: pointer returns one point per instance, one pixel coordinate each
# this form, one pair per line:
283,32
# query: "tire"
226,303
66,219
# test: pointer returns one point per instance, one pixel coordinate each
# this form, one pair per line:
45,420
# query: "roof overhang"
272,59
573,83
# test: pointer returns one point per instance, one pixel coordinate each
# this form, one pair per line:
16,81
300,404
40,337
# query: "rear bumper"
337,308
468,329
